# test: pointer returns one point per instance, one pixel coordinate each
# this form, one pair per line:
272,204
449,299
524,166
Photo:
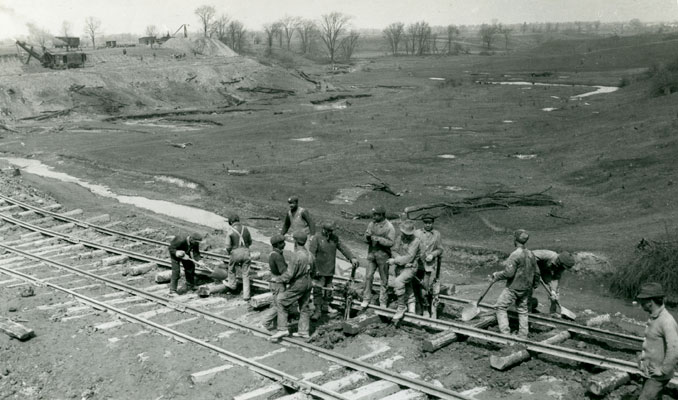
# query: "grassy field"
609,158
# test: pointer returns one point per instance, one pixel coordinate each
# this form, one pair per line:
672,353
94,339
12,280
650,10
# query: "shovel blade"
469,312
567,314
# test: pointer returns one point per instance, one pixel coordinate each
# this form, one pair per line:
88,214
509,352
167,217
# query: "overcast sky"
127,16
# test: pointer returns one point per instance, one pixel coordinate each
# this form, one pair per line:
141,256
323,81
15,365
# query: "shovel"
564,312
471,311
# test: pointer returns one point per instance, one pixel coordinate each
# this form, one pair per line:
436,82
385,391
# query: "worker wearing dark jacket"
298,290
551,267
180,250
521,275
323,249
278,266
238,243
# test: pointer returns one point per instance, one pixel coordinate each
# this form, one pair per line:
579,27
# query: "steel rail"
536,347
371,370
281,377
543,320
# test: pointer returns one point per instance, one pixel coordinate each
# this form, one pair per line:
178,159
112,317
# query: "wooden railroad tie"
503,363
444,338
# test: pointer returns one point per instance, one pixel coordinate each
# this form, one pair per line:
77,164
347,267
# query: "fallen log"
15,329
382,186
515,358
354,326
605,382
266,90
140,269
211,288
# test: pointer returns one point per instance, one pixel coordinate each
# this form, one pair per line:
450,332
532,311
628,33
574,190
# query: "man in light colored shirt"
407,260
520,273
551,267
660,347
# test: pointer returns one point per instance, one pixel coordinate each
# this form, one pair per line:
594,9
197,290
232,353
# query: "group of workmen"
414,255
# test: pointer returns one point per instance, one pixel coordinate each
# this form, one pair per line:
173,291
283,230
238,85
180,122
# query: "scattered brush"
652,261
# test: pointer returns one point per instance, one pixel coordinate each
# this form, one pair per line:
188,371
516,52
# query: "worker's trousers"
652,389
322,293
244,266
189,270
403,286
378,262
271,315
300,293
506,299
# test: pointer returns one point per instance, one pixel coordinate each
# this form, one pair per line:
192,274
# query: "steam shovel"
471,310
564,312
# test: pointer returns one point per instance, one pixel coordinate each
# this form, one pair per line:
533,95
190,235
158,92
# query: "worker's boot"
412,306
402,307
523,326
503,322
232,282
276,337
304,325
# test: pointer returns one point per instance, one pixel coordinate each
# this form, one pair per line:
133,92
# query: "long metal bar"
381,373
486,307
281,377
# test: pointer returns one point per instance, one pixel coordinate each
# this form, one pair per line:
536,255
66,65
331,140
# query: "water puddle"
507,121
555,97
176,181
437,79
454,188
339,105
599,89
453,128
447,156
304,139
348,195
160,123
549,109
524,156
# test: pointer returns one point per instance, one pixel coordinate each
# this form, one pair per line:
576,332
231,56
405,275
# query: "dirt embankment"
114,84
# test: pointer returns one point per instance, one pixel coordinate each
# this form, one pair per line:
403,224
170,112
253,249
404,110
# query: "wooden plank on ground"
441,339
354,326
15,329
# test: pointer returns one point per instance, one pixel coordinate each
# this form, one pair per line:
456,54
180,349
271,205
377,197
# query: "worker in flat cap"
551,267
380,237
297,219
298,290
427,286
657,361
406,258
323,249
238,243
181,247
522,276
278,266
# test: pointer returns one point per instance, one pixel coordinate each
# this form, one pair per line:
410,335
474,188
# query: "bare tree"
219,27
236,36
332,25
38,35
452,31
287,26
206,15
92,28
151,31
506,32
66,28
307,31
270,30
487,33
348,44
393,35
419,35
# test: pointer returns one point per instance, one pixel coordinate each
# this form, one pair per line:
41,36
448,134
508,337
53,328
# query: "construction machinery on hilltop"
52,59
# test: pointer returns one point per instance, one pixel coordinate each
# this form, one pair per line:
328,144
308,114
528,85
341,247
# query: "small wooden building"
111,43
147,40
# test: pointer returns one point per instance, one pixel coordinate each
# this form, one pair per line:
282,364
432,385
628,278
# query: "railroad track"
50,244
46,257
